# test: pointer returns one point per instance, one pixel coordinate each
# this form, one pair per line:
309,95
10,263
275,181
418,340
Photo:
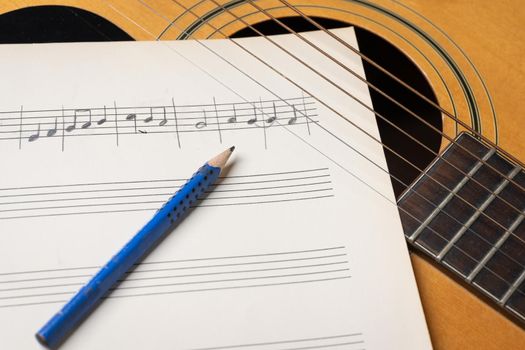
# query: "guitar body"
471,55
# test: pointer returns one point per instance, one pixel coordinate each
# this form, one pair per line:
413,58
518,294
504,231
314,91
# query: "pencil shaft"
166,218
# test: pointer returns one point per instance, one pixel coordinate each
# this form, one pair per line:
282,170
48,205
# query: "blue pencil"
60,326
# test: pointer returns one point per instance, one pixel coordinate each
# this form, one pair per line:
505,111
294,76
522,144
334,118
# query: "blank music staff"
165,277
34,126
349,341
147,195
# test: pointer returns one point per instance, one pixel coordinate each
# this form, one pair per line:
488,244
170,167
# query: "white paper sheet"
299,247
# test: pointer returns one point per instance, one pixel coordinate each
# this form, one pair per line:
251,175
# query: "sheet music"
299,246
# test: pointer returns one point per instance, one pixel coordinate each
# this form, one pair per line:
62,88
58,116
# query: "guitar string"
477,210
371,109
502,278
386,95
399,156
367,59
394,204
292,132
391,75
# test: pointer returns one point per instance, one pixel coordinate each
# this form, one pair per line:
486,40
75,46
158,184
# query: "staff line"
156,208
163,194
179,276
162,201
187,291
184,267
125,115
183,283
159,106
218,183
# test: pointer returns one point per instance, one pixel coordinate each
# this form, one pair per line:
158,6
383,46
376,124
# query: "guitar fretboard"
467,212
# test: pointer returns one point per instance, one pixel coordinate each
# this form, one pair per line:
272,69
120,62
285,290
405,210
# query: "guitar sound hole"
393,60
47,24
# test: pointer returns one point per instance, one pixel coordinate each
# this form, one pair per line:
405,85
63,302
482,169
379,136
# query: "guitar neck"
466,211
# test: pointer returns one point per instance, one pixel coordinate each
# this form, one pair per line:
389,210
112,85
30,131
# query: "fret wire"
515,312
482,207
388,73
346,170
512,288
339,114
498,244
449,197
351,95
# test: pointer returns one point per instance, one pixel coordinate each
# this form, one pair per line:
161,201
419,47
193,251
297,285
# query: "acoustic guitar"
447,84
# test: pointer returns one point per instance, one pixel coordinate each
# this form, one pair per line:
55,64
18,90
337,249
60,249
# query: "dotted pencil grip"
190,193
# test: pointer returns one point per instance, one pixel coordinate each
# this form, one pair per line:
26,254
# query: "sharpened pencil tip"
220,160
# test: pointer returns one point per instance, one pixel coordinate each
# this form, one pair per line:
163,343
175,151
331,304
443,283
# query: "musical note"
87,124
270,120
73,126
36,135
104,119
53,131
185,119
133,117
202,124
164,120
79,113
233,119
293,119
254,119
151,113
